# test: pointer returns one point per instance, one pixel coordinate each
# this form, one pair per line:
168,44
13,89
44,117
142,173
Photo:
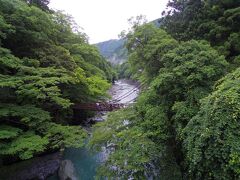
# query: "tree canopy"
214,21
45,67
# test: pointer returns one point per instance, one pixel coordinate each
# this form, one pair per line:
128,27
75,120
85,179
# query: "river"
83,161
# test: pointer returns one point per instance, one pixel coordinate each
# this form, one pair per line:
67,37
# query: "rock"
37,168
67,171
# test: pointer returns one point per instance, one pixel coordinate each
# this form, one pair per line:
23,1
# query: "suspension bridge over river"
109,105
99,106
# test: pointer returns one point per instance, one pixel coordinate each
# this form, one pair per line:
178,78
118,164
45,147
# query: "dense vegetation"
185,124
46,65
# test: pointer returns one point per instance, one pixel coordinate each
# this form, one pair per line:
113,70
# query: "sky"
103,20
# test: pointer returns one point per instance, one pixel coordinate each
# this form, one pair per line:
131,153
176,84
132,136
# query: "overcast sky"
105,19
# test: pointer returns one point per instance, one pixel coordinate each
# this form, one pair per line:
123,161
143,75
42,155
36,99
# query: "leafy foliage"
46,65
212,136
188,73
8,132
43,4
123,70
178,75
146,47
24,146
133,151
214,21
65,136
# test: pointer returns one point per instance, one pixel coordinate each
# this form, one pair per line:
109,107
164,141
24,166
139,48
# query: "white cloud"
105,19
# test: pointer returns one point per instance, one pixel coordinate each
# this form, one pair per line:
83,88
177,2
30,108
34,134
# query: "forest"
185,123
46,65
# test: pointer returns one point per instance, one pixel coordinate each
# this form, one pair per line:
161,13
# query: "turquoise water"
85,162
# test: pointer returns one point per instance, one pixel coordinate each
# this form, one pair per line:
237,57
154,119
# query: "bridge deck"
99,106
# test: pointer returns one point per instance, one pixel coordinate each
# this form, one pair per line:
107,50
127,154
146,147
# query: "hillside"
113,50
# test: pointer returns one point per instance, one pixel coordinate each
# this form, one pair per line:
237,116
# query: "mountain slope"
113,50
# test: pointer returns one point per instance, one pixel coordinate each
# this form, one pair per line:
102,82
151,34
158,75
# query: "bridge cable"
126,94
132,100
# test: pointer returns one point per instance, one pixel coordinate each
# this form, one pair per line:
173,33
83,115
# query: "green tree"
214,21
134,153
211,137
45,67
179,75
146,46
187,74
42,4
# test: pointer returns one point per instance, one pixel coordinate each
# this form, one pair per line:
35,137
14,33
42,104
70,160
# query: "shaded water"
85,162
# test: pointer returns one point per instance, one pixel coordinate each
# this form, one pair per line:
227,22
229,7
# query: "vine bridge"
110,105
99,106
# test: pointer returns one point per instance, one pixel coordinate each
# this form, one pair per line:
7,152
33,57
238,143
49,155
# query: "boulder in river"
67,171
